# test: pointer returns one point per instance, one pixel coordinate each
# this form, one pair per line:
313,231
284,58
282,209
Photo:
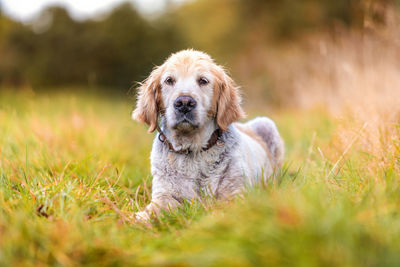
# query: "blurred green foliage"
122,47
56,50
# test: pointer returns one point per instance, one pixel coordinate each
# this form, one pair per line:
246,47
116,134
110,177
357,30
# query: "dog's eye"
203,81
169,81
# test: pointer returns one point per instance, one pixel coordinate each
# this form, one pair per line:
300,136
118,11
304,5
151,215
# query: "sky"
24,10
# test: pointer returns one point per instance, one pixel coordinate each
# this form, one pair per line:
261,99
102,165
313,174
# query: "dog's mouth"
185,125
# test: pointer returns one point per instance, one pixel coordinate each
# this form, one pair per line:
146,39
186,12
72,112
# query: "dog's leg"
164,202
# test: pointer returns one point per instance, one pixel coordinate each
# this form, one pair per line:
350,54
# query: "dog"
200,149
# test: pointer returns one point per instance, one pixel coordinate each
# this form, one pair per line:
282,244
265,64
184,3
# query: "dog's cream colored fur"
250,151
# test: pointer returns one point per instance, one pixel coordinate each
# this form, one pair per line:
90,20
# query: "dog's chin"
185,127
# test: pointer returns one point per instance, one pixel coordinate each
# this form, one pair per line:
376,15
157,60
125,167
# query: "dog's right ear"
148,100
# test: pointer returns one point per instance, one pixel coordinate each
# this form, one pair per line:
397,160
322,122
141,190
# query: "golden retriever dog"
200,150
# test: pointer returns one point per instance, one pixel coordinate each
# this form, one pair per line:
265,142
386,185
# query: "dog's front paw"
142,216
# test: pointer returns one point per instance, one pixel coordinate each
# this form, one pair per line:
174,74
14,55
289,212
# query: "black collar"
215,139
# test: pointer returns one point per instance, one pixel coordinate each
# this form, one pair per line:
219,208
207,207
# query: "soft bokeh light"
27,9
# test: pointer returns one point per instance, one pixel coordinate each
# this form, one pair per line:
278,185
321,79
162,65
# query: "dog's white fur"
250,151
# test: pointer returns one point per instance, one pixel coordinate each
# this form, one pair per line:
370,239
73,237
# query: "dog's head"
190,90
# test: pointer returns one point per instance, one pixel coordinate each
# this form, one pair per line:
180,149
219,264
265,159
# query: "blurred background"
282,53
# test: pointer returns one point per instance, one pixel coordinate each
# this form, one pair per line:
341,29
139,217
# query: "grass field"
74,168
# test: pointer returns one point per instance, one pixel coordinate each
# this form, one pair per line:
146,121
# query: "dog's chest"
192,174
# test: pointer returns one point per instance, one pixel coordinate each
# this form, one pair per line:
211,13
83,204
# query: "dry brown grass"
353,74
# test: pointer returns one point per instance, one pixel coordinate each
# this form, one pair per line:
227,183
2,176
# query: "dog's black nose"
185,104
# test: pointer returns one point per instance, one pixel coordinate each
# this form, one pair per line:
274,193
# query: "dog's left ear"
228,100
148,101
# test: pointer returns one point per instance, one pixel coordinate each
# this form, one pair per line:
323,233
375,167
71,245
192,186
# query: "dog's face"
190,90
187,90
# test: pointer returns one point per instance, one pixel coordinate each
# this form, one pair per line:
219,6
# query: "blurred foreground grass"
73,168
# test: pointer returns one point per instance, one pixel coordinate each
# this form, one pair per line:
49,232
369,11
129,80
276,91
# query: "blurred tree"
110,53
213,26
123,46
289,17
10,59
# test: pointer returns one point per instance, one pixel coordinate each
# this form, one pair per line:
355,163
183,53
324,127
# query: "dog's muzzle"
185,107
